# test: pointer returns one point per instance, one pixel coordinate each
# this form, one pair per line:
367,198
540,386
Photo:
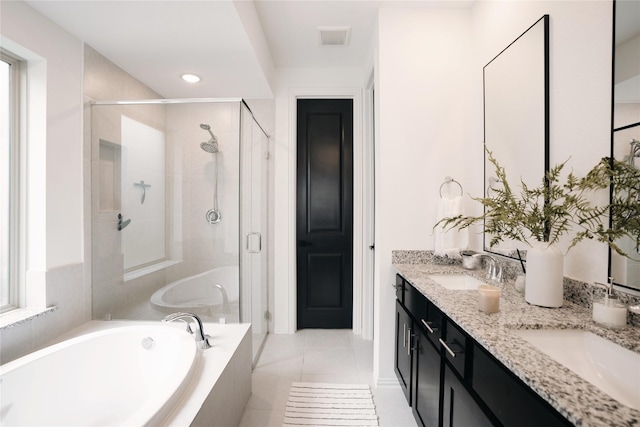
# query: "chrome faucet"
494,272
199,335
225,299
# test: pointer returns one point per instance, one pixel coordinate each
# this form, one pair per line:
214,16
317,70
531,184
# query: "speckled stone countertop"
578,400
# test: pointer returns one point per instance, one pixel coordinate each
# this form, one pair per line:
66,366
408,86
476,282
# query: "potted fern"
624,207
539,217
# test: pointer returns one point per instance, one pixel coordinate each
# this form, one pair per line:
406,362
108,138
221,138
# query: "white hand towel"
451,241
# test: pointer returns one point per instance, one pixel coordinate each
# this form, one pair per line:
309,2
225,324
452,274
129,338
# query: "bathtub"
122,376
211,294
105,385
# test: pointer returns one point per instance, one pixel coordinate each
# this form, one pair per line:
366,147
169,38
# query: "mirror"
625,141
516,116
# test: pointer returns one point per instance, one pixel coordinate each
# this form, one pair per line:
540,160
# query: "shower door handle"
254,251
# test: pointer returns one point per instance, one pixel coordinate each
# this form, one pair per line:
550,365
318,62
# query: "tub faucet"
199,335
494,272
225,299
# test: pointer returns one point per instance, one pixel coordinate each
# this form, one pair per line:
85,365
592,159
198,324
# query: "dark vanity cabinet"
418,363
403,351
450,380
459,408
426,381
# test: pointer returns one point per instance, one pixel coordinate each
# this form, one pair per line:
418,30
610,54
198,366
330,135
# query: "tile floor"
317,355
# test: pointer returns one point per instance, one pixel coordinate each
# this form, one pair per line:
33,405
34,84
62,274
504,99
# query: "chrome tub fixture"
199,335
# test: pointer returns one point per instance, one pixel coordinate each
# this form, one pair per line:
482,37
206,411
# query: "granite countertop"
578,400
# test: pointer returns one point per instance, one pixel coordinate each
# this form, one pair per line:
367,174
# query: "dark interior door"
324,230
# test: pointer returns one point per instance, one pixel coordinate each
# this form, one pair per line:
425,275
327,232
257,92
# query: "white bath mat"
319,404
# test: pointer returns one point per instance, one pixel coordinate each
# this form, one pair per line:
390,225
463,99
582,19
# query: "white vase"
545,275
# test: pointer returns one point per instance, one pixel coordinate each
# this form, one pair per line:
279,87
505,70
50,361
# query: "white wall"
54,225
423,110
61,54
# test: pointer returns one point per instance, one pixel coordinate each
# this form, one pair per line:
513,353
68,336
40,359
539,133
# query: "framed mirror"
625,140
516,116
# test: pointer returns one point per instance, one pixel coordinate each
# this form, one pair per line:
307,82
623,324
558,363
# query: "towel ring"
448,180
492,180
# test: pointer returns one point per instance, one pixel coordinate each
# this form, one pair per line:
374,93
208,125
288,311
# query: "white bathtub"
201,293
124,376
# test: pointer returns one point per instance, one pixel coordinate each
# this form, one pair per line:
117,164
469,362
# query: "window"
9,179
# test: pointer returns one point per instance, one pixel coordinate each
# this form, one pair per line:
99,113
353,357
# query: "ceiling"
233,45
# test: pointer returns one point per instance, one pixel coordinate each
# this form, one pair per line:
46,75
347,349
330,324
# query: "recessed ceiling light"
191,78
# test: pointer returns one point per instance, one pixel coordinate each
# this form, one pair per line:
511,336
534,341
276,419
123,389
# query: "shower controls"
122,224
213,216
144,190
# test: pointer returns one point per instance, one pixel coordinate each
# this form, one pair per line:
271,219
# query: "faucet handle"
499,277
205,342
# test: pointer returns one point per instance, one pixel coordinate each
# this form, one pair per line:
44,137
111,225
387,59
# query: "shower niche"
179,211
109,177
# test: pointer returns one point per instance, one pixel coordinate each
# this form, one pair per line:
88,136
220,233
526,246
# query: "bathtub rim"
158,303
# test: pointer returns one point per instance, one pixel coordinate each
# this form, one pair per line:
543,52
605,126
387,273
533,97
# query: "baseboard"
388,382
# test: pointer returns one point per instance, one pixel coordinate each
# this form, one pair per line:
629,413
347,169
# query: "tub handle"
254,251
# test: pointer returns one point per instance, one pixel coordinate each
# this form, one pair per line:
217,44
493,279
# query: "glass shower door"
254,206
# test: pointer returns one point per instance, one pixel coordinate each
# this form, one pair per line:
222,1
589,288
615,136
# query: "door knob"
303,243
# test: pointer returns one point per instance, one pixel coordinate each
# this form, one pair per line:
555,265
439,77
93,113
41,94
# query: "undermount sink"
458,282
615,370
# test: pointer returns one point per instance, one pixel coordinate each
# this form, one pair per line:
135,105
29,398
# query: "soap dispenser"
609,311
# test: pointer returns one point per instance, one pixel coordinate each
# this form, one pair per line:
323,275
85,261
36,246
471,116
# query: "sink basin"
613,369
458,282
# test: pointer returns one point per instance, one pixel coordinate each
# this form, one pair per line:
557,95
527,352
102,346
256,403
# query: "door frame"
355,94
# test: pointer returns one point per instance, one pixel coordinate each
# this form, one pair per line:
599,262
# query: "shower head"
208,129
210,146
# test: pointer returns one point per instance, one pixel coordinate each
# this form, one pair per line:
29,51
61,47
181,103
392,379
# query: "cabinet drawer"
400,284
455,347
415,302
510,400
432,323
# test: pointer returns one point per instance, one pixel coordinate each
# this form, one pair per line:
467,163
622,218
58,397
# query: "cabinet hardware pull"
409,336
446,347
404,335
429,328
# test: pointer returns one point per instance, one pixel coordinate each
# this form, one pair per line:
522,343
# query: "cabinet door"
459,408
510,400
403,349
426,379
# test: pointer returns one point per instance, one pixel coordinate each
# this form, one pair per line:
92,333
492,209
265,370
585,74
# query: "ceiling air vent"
334,36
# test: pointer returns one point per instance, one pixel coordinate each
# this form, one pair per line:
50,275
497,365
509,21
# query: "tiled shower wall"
103,80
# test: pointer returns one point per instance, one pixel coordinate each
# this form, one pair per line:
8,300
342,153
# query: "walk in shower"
179,211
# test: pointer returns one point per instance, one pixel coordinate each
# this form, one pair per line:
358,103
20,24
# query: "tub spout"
225,299
199,335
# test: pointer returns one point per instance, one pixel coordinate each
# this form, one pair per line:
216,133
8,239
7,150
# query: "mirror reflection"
516,109
626,122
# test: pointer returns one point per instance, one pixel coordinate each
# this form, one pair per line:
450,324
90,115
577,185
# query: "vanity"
459,366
